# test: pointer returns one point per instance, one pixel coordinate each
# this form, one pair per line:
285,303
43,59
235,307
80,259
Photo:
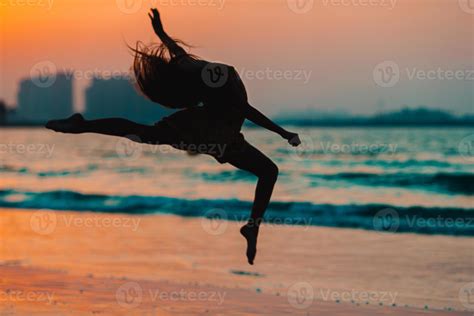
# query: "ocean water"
394,180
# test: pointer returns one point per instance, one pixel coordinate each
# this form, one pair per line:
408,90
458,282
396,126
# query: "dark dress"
212,128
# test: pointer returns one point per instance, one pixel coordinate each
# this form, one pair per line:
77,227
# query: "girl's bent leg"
252,160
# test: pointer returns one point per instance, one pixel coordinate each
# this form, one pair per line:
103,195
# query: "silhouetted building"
118,98
43,99
3,113
11,116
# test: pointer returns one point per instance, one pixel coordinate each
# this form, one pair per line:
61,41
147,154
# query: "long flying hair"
160,79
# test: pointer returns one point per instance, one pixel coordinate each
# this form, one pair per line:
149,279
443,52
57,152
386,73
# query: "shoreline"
352,270
375,217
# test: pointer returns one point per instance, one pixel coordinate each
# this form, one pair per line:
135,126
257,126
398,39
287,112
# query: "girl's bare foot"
250,233
70,125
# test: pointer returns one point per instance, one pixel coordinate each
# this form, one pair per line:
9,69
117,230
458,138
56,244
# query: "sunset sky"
327,50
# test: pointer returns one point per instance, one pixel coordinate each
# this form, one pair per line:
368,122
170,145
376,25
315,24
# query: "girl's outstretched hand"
292,138
156,21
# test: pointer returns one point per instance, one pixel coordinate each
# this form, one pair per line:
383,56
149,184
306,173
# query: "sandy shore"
68,263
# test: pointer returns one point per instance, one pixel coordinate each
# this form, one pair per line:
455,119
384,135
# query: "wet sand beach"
82,263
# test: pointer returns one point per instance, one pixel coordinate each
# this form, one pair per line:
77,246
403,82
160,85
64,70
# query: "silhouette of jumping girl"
213,103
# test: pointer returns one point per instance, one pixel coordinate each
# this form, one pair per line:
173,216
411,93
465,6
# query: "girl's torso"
220,90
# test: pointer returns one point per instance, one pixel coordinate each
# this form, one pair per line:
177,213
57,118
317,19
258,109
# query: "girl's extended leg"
254,161
76,124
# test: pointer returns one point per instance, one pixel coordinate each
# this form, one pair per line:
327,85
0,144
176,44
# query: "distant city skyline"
41,99
333,55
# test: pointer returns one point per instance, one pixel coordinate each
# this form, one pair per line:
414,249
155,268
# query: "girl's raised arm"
172,45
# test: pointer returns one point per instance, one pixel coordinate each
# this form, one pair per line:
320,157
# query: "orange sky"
337,44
